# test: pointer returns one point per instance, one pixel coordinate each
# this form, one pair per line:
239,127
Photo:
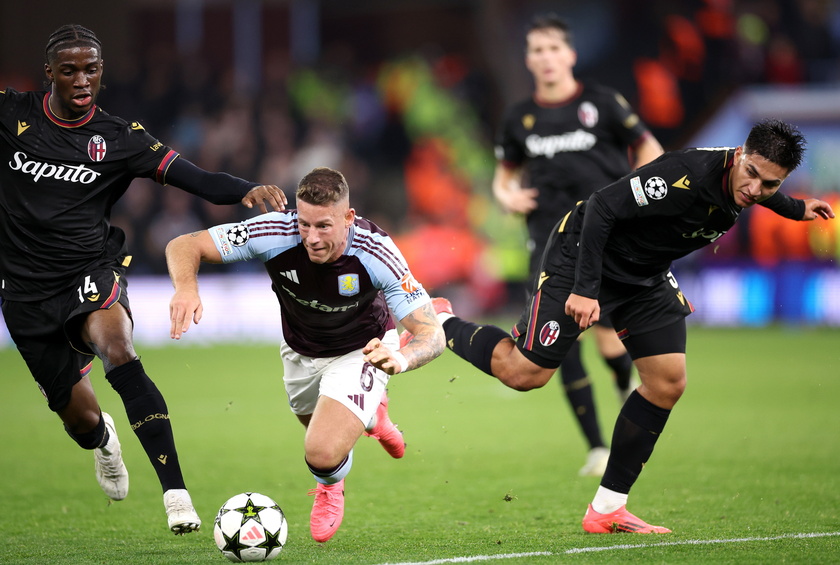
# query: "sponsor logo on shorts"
549,333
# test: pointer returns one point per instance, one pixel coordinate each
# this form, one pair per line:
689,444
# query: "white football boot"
110,469
180,513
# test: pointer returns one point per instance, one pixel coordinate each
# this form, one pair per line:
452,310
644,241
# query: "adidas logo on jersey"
291,275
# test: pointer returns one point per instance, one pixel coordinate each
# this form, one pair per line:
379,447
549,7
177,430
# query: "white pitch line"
701,542
471,559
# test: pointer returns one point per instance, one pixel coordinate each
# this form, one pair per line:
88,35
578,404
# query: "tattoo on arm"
429,341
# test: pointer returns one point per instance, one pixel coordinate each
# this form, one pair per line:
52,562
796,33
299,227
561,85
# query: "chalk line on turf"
474,558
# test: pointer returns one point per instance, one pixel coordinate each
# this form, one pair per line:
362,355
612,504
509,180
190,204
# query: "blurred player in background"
612,255
65,162
338,278
565,142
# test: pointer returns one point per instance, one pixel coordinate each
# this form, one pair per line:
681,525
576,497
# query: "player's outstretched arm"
184,254
815,208
429,342
259,195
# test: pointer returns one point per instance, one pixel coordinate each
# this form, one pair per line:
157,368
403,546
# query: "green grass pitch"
747,470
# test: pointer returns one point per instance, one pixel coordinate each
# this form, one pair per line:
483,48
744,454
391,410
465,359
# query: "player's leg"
343,395
62,375
102,324
616,357
639,425
652,321
578,390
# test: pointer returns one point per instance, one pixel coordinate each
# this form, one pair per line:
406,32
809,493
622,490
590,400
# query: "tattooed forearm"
429,340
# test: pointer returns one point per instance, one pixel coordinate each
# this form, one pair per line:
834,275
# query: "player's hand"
585,311
519,201
380,356
270,193
184,307
815,208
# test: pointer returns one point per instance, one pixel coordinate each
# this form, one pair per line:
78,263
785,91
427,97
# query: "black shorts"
47,332
545,333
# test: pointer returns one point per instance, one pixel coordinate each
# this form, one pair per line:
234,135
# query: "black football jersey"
58,182
633,229
570,149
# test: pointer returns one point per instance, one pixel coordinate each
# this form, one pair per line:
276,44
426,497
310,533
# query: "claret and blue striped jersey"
333,308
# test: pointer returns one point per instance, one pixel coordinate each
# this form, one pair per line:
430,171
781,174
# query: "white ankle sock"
607,501
443,316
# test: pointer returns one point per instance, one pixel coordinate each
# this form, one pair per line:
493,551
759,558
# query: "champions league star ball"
250,527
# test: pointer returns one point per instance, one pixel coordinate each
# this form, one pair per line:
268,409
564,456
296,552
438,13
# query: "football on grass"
250,527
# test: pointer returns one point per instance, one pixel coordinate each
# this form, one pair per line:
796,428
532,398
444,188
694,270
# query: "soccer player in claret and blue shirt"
338,278
612,255
64,162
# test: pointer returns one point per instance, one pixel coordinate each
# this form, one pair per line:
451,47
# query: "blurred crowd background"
404,96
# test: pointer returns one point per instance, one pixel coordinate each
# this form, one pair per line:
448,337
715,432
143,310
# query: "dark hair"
70,35
777,142
323,186
551,21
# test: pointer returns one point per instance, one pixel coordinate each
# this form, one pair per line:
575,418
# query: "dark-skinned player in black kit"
64,162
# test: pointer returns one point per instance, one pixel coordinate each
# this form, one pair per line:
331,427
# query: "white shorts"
346,379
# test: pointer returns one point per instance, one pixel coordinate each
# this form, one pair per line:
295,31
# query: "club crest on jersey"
96,148
549,333
528,121
348,285
656,188
588,114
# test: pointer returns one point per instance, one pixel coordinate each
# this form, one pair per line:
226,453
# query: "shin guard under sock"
637,428
149,417
578,390
472,342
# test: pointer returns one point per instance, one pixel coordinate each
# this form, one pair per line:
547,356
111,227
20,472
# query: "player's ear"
48,71
349,217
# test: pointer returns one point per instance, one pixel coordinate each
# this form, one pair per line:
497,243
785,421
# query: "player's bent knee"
525,379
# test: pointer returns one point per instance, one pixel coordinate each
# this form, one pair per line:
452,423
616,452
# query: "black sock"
622,368
578,390
97,437
149,417
472,342
637,428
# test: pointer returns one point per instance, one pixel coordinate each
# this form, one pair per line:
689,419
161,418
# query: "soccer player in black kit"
566,141
64,162
611,255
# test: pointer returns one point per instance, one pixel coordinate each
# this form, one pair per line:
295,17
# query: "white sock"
607,501
372,424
